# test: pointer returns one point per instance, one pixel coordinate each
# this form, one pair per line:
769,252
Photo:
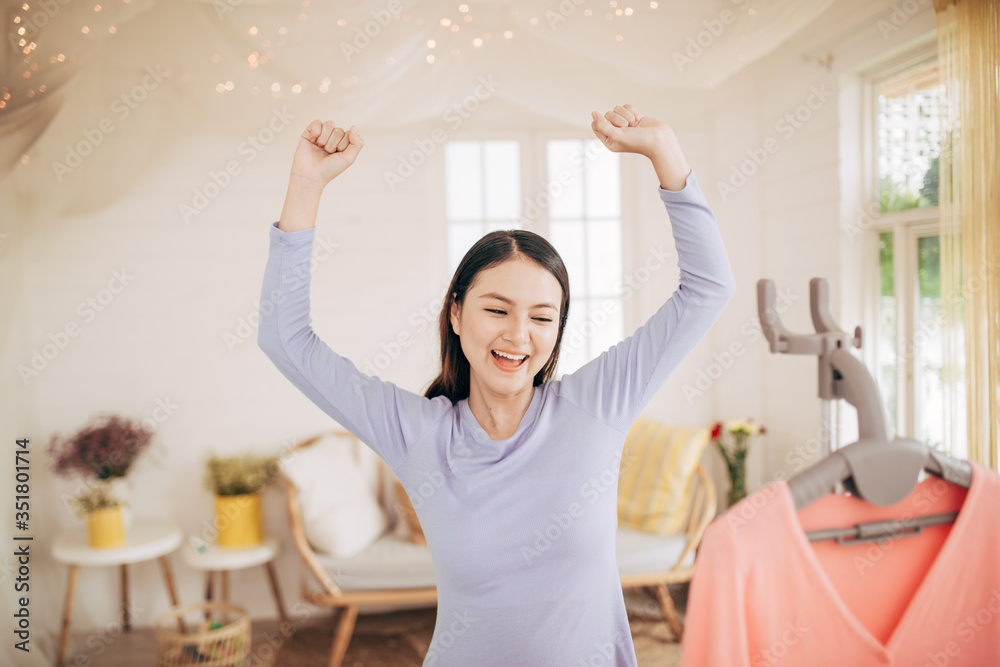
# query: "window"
577,208
585,227
908,325
908,139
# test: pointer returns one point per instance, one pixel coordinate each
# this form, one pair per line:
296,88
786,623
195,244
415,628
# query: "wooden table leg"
208,592
276,591
224,576
168,577
67,613
127,623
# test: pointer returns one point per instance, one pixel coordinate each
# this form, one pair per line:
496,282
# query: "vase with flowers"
101,455
732,440
103,513
237,482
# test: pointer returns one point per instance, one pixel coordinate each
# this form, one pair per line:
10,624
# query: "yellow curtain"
969,60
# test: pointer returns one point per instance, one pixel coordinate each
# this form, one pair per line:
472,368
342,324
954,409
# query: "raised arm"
620,382
382,415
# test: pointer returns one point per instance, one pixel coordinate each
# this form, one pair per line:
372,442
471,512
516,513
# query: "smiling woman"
486,322
523,550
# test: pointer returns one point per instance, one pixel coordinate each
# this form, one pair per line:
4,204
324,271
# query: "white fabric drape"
123,83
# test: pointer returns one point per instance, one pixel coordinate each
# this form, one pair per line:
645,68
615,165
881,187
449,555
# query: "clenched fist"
324,152
625,130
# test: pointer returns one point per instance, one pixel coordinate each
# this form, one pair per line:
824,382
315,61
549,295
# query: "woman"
513,475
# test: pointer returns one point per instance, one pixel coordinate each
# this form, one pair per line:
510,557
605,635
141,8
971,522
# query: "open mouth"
507,363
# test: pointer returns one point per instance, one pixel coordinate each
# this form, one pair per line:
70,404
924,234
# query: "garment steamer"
875,468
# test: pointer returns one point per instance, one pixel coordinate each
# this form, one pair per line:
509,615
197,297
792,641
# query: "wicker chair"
702,511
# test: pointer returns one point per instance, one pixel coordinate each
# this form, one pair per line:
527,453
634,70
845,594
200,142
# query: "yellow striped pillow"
656,473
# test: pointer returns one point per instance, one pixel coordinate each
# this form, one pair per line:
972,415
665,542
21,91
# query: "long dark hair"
492,249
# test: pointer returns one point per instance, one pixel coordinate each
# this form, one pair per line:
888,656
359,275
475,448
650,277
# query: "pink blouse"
762,594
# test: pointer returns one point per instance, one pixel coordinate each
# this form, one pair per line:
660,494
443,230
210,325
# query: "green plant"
97,496
238,475
735,455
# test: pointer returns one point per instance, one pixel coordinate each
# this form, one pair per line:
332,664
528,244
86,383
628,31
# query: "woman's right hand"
324,152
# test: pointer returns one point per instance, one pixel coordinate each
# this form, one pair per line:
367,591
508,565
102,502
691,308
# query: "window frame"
534,181
906,227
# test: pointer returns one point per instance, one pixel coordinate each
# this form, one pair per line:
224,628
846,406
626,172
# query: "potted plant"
101,455
735,454
236,482
102,511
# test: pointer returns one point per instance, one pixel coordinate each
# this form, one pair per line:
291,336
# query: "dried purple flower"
103,450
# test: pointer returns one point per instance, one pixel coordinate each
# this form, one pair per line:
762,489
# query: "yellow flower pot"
105,529
239,520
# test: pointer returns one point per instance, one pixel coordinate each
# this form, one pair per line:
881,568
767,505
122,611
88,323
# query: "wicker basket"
199,643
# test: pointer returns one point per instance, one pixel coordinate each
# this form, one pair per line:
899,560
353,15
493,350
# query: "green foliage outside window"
885,262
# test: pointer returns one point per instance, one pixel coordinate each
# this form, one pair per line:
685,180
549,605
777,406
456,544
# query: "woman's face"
512,307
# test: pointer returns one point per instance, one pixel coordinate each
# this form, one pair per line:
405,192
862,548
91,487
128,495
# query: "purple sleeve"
616,385
384,416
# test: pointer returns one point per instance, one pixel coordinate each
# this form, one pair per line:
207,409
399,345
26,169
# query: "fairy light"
258,58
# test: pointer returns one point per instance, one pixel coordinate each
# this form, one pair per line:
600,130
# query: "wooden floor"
393,639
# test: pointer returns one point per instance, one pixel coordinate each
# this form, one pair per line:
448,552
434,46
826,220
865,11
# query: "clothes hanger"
874,468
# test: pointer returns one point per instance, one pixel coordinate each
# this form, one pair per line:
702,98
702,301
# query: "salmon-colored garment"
762,594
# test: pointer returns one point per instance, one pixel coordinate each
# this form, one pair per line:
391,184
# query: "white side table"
144,540
223,559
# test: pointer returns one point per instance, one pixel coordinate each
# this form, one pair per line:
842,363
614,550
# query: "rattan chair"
702,510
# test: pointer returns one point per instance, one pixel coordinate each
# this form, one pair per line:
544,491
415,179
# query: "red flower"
716,430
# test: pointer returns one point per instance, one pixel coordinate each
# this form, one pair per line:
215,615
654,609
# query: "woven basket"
198,644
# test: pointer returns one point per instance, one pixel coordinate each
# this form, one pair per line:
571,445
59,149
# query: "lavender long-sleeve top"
522,530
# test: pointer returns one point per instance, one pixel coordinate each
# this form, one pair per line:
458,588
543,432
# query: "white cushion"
340,514
394,562
639,552
388,562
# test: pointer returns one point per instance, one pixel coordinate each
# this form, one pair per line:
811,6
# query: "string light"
22,26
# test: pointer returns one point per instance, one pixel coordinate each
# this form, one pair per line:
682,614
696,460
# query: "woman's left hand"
625,130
